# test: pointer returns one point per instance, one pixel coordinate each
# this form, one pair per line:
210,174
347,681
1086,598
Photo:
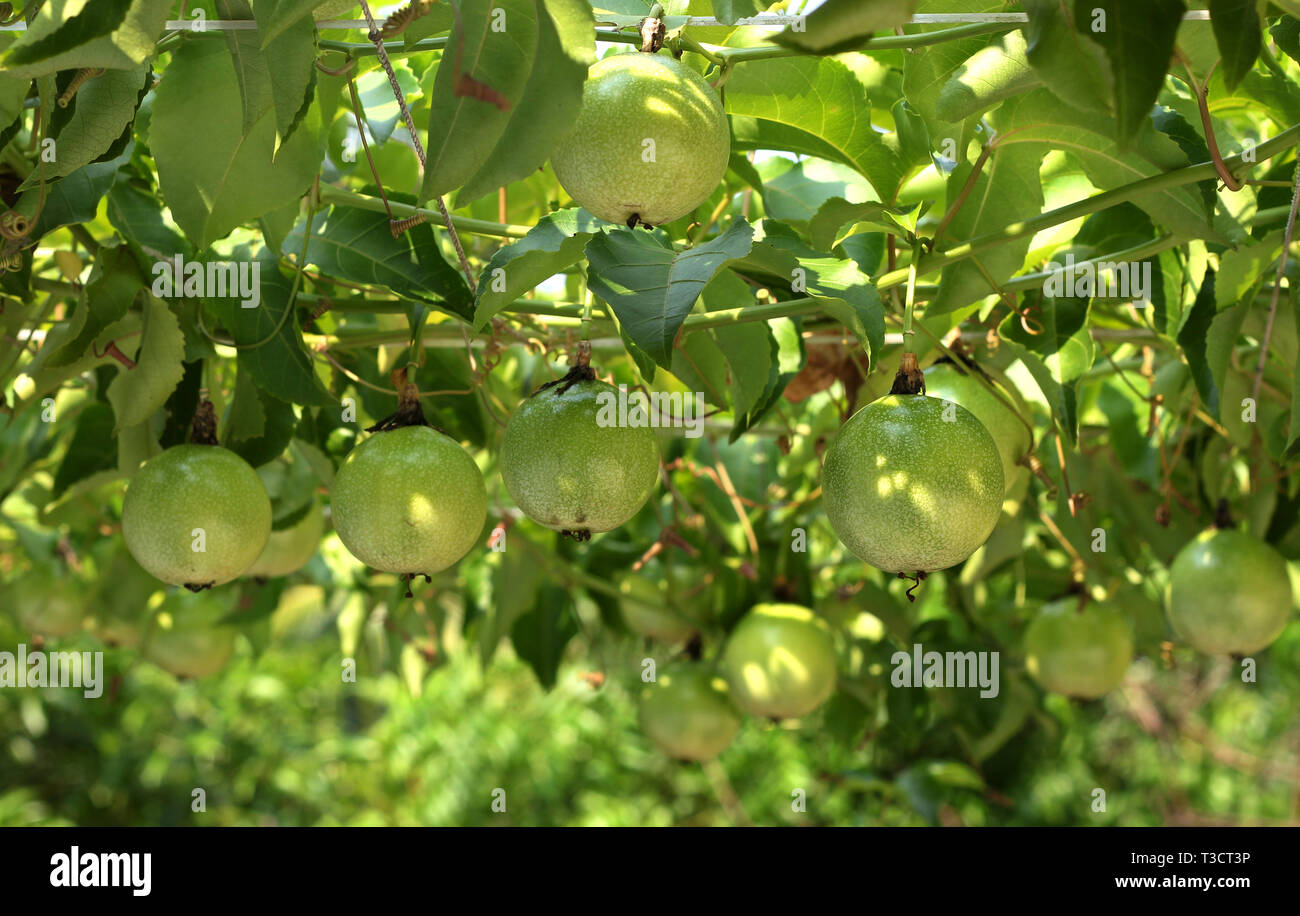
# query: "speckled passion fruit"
196,515
780,661
409,500
1078,653
650,144
289,549
688,713
912,483
568,464
1229,593
959,384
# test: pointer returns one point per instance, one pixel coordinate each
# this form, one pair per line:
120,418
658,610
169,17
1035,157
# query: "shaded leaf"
136,393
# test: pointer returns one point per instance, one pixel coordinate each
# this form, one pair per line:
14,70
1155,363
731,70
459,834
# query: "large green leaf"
358,246
107,298
992,73
557,241
138,216
1068,63
652,288
270,341
258,427
137,392
1237,30
279,74
841,25
69,34
536,69
275,16
1139,40
102,109
215,177
821,98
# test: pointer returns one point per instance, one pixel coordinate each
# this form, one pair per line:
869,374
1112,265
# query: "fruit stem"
203,428
910,306
653,30
409,410
1223,516
910,379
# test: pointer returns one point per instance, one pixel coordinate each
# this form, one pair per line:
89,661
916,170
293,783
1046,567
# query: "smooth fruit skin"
947,382
645,611
570,469
289,549
189,487
780,661
687,713
1229,593
627,100
46,604
409,500
1078,654
908,491
185,639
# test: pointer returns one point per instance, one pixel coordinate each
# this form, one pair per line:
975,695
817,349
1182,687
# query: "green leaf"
258,427
68,34
1286,35
279,74
813,97
275,16
536,69
652,288
1072,66
841,25
749,349
107,298
1057,356
1242,267
796,193
1237,30
138,216
1192,337
1039,119
103,108
277,360
218,177
1139,40
833,215
557,241
358,246
992,73
728,11
90,450
540,636
379,106
136,393
74,198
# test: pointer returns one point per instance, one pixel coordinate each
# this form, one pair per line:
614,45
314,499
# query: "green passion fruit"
650,143
186,639
1078,653
196,515
289,549
959,384
645,611
912,484
567,463
409,500
780,661
1229,593
687,712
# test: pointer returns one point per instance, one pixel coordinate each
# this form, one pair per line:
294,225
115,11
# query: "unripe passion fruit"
1229,593
651,141
1078,653
688,713
409,500
780,661
196,515
289,549
645,611
46,604
185,638
912,484
949,382
570,467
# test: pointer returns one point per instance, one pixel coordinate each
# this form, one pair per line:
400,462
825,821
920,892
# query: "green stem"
910,305
1187,175
886,42
691,44
748,313
401,48
332,195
